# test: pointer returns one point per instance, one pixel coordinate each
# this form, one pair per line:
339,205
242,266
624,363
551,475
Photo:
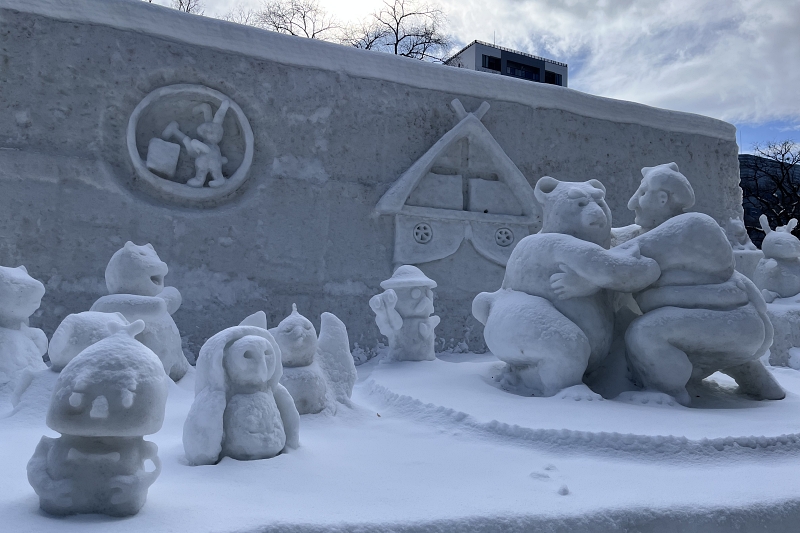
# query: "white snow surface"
436,446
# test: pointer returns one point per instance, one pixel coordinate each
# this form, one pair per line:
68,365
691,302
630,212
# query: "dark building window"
552,77
492,63
518,70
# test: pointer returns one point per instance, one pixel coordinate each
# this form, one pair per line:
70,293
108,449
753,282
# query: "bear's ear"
22,267
673,166
646,171
597,185
764,224
130,244
150,246
545,186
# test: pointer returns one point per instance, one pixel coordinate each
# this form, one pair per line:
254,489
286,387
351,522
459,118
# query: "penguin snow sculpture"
318,372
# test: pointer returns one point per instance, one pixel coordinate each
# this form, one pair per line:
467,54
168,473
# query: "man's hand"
569,284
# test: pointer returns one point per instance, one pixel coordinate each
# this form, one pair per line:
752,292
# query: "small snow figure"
778,274
737,235
21,347
403,313
207,156
135,280
105,400
77,332
318,373
240,409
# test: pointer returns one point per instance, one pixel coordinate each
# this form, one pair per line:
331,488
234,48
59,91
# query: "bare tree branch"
410,28
303,18
770,181
241,15
189,6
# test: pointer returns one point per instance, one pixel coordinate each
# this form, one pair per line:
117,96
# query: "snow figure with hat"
403,313
207,156
135,281
318,373
240,408
21,347
105,400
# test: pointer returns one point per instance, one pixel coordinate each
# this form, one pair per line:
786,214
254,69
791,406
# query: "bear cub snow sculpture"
135,280
21,347
777,275
104,401
318,373
549,343
240,408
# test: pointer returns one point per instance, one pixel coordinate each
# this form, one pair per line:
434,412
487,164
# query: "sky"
735,60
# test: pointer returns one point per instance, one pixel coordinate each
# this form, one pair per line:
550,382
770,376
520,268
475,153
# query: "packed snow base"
438,446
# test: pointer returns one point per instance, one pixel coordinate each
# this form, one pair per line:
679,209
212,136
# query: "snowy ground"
436,446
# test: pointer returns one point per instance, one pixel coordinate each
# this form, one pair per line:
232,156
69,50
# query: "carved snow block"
487,196
440,191
162,157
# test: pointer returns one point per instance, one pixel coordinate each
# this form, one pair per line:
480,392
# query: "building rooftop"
484,43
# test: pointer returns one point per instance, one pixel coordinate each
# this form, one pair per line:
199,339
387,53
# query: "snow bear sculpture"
403,313
318,373
135,280
549,342
240,408
105,400
77,332
21,347
778,273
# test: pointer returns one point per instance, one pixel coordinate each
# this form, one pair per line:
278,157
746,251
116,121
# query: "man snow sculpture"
662,194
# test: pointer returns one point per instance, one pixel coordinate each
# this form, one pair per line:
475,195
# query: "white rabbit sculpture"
778,274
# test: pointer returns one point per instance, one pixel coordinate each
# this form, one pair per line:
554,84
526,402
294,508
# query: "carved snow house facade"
464,187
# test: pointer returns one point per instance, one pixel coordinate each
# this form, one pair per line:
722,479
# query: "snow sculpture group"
663,288
115,363
553,320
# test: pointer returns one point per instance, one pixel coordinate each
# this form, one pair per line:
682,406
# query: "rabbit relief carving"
207,156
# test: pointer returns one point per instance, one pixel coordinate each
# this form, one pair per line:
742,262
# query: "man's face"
652,205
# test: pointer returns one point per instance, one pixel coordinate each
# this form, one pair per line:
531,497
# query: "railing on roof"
484,43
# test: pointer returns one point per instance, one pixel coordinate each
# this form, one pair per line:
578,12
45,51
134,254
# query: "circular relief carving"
190,144
504,237
423,233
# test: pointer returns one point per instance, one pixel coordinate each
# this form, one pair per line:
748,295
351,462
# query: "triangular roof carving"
469,127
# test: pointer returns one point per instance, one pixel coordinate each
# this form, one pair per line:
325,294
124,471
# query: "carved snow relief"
464,187
190,143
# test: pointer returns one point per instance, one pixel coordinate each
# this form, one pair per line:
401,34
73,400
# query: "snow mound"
464,393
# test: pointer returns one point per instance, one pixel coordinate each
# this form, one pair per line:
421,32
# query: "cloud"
736,60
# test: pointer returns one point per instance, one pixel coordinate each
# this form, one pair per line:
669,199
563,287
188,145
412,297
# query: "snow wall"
333,128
